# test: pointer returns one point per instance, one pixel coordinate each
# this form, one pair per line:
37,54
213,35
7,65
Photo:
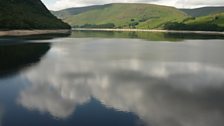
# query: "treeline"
193,27
108,25
133,23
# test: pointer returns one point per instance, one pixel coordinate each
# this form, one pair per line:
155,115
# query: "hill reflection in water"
151,36
19,56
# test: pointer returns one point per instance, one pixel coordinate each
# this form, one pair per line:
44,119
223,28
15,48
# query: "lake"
112,79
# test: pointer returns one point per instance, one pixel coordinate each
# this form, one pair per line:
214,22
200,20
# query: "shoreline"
33,32
150,30
68,31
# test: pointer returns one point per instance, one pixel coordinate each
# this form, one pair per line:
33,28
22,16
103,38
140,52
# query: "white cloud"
61,4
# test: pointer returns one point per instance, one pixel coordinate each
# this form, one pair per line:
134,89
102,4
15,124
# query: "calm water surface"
112,79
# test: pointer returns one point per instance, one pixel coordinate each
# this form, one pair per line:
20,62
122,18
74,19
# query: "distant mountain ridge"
27,14
203,11
121,15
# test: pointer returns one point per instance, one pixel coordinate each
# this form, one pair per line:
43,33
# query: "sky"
62,4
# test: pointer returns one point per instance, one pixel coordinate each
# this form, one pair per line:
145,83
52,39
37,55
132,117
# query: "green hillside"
204,11
74,11
122,15
27,14
213,22
217,19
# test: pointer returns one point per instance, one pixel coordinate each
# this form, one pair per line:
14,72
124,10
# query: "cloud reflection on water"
159,92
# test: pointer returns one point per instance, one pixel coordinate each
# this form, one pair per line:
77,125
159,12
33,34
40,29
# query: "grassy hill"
217,19
213,22
121,15
27,14
204,11
62,14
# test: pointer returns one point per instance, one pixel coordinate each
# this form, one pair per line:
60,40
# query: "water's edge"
33,32
150,30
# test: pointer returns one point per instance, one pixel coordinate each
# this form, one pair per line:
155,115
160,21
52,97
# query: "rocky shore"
32,32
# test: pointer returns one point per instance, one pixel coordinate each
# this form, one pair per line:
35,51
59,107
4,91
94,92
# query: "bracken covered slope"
27,14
